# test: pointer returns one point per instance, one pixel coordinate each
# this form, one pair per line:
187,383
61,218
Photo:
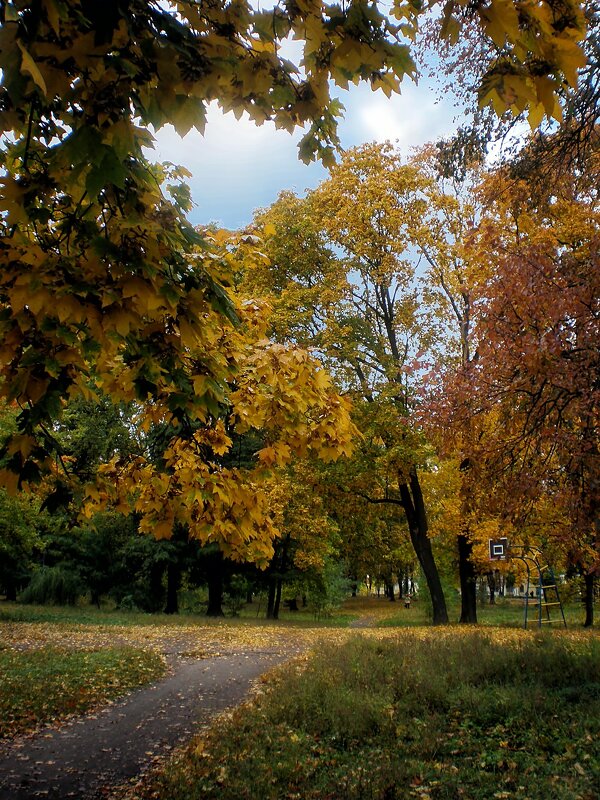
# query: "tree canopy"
107,290
102,276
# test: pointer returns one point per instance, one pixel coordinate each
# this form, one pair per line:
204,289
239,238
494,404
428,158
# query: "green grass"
506,612
91,615
441,714
43,685
88,615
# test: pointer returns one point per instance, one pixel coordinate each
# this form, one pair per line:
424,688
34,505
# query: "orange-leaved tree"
537,370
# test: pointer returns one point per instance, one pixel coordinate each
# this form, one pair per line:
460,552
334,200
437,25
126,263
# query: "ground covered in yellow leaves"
361,711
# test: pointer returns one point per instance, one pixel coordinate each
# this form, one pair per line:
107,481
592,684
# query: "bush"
235,595
53,585
329,590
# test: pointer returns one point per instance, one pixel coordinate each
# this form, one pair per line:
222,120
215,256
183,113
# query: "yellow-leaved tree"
278,393
103,282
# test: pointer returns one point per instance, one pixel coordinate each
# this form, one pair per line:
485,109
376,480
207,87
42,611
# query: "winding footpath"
92,754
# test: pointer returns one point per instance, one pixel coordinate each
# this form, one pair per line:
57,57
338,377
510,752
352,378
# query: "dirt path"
90,753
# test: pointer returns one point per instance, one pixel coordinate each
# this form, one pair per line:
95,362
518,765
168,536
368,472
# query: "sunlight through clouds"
412,119
238,167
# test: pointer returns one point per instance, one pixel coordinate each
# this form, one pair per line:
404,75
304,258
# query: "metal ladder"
547,597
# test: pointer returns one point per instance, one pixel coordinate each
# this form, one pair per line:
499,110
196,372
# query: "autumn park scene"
308,505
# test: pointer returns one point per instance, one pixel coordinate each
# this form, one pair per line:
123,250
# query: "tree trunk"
271,597
277,599
173,581
215,587
588,599
414,508
277,569
468,581
11,592
501,583
491,582
156,593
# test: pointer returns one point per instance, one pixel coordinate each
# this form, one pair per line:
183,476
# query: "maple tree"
105,285
83,209
536,375
281,392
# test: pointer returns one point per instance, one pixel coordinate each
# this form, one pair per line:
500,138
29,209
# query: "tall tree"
366,320
96,262
455,269
537,372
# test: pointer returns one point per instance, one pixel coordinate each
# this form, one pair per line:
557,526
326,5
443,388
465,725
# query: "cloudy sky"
238,167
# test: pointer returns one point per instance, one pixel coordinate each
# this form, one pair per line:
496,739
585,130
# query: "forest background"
383,374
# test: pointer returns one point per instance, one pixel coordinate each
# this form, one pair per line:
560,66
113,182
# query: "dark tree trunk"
277,569
414,508
491,582
156,586
277,599
468,581
215,586
94,598
500,582
588,599
271,597
389,586
11,592
173,582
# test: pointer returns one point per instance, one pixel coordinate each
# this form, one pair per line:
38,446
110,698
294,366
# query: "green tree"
20,542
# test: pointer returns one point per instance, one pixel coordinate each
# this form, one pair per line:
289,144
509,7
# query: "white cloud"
410,119
238,166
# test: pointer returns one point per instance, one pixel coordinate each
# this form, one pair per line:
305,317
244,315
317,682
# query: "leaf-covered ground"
57,666
437,714
40,686
378,713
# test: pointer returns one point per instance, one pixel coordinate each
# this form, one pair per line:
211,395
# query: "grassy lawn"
396,710
40,686
506,612
85,614
430,713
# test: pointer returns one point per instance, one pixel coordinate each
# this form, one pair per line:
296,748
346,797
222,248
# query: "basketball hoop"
498,549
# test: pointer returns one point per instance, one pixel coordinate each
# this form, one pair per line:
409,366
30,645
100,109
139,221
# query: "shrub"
53,585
